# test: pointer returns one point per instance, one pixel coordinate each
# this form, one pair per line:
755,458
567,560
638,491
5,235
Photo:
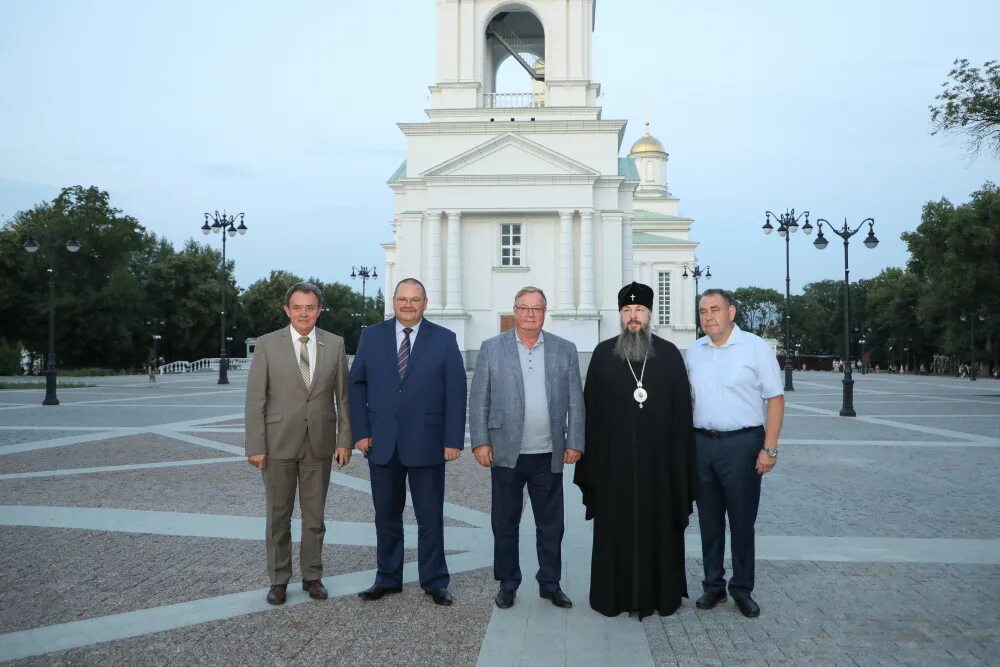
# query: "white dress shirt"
311,346
400,335
730,383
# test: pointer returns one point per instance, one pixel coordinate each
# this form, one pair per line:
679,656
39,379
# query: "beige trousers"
281,477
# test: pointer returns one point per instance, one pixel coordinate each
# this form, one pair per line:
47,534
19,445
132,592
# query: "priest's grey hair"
635,346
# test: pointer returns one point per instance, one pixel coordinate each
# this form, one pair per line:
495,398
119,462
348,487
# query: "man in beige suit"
297,421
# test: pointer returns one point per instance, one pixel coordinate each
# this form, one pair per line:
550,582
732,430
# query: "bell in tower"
549,39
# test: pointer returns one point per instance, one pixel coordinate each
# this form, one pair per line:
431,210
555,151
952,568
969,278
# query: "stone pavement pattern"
131,533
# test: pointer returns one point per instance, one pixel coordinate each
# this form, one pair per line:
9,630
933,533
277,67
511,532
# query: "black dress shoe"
441,596
504,598
747,606
376,592
277,594
558,598
709,600
315,588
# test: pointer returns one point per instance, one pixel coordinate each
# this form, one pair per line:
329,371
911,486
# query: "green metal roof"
400,173
649,216
643,238
627,169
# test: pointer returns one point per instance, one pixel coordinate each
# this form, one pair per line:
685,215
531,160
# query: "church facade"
503,190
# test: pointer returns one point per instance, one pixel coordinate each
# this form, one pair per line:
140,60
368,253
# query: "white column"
628,262
434,259
566,260
454,276
587,278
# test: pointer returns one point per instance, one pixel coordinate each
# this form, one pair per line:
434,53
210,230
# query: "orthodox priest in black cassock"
638,473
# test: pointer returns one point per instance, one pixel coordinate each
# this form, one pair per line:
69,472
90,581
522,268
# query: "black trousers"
728,484
545,489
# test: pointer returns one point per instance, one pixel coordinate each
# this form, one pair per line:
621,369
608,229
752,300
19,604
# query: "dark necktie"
404,353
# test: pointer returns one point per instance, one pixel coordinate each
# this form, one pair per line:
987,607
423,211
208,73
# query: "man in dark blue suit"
407,386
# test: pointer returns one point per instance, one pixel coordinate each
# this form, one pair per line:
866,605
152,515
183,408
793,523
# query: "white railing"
204,365
513,100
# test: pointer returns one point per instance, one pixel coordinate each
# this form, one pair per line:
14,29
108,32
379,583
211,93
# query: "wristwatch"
773,453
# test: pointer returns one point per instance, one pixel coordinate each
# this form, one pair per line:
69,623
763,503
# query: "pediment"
509,155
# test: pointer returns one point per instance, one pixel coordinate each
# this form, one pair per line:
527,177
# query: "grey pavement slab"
878,543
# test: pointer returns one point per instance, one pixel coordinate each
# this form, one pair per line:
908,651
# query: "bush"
91,372
10,358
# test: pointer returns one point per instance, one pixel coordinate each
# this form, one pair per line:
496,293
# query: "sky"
288,112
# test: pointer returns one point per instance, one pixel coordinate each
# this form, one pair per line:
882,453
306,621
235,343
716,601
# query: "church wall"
464,197
597,150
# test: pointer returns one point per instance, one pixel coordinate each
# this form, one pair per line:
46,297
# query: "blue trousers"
728,484
546,494
389,495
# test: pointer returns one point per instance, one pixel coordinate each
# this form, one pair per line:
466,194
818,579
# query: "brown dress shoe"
315,589
277,594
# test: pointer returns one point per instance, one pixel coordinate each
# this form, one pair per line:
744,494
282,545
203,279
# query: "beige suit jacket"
281,411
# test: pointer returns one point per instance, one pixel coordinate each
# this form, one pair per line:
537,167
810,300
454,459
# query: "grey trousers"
312,477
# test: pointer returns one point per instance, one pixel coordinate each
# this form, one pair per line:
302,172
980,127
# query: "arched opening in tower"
515,59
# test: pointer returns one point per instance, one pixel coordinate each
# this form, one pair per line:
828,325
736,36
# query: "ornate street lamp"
847,409
155,326
788,224
971,319
222,222
696,273
51,373
366,273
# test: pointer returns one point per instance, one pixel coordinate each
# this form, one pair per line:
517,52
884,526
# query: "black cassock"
638,481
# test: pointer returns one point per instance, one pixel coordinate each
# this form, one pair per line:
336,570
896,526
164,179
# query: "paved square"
131,532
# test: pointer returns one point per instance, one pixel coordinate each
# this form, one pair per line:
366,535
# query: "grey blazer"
281,411
496,400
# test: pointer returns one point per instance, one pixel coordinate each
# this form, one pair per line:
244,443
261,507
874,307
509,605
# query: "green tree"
183,289
97,301
261,303
893,298
955,256
759,310
970,105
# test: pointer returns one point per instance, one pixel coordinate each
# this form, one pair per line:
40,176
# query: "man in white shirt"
297,422
733,375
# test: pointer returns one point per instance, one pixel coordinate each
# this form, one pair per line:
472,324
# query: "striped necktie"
304,360
404,353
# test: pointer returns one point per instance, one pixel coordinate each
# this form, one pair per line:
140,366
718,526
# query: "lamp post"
847,409
696,273
155,325
971,319
51,372
788,224
861,353
155,334
365,273
223,223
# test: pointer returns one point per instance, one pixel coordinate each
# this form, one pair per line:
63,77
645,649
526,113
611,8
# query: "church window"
510,244
663,298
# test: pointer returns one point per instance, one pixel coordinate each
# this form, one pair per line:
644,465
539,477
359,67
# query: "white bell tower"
551,39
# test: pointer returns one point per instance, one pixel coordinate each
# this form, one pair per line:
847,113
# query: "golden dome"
647,143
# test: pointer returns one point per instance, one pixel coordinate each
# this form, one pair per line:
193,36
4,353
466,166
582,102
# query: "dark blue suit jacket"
417,415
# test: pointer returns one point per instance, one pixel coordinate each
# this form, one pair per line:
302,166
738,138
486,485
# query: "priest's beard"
635,346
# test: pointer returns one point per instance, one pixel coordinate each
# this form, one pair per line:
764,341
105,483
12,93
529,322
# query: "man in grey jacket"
526,420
